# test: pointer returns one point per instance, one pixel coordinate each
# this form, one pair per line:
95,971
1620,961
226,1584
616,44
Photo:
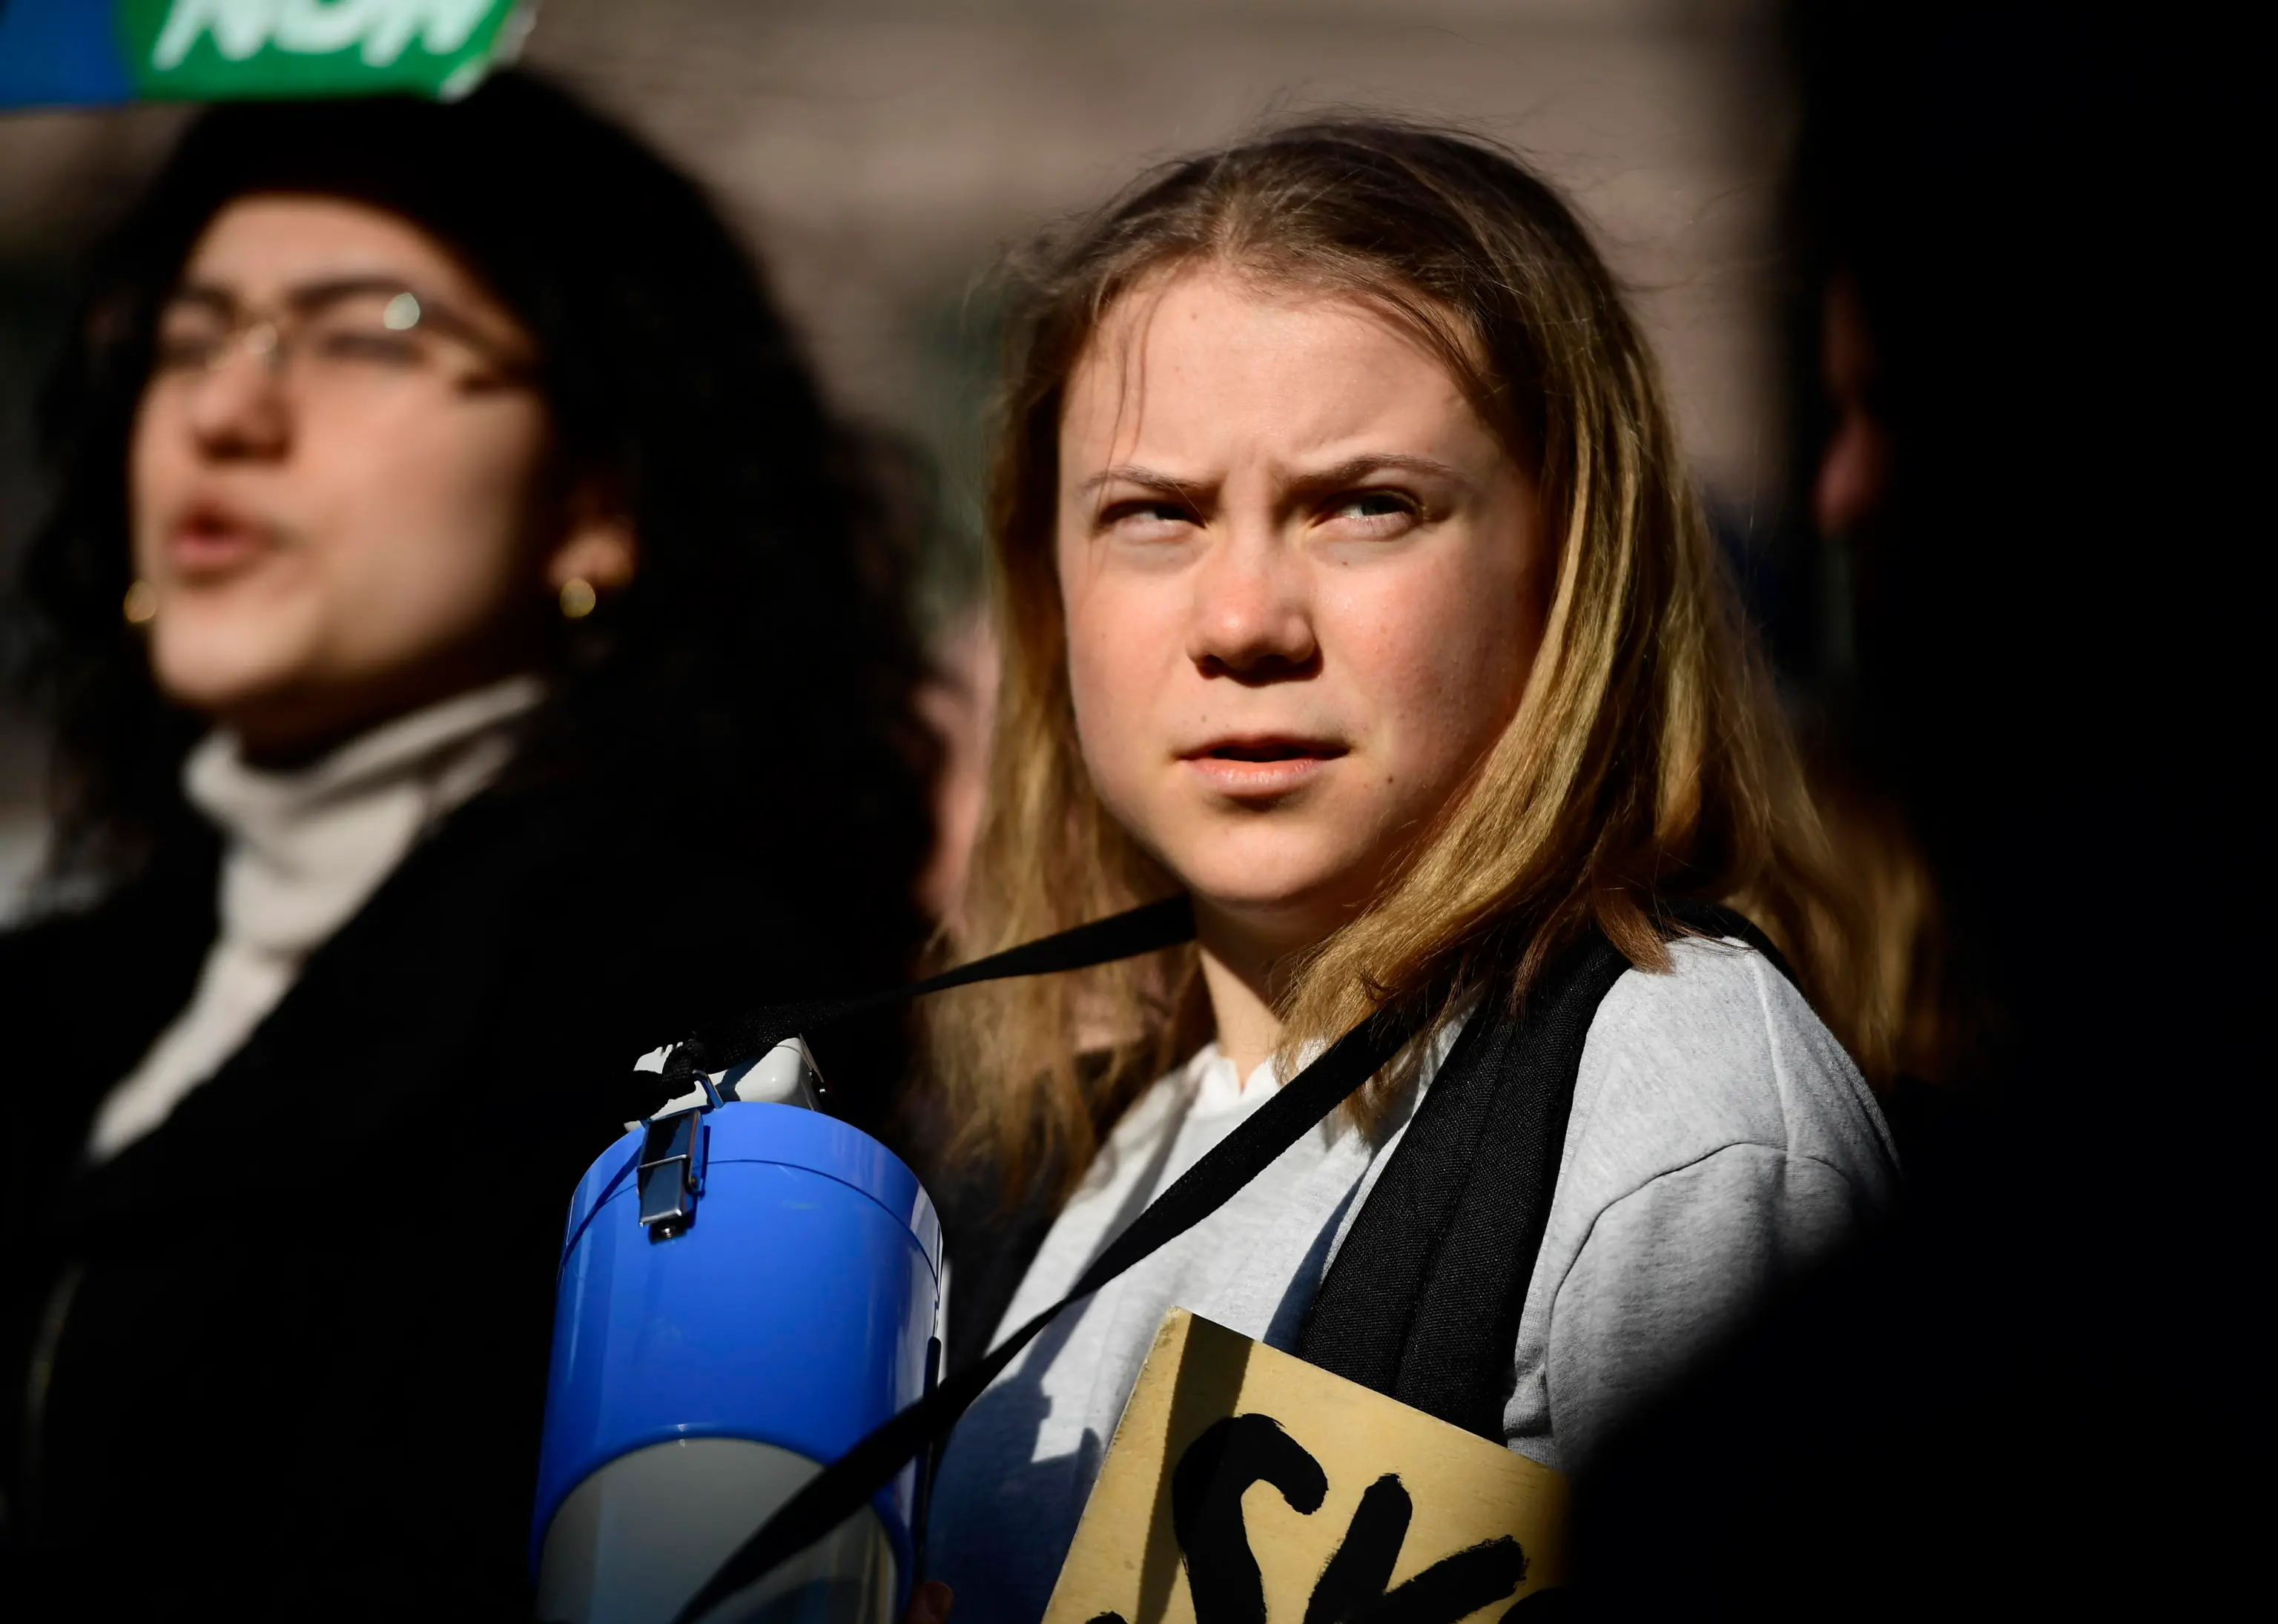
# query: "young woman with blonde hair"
1350,583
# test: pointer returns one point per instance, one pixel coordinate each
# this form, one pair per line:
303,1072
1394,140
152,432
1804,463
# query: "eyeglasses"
340,339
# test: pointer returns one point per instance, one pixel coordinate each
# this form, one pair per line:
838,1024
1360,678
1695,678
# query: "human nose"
238,405
1252,614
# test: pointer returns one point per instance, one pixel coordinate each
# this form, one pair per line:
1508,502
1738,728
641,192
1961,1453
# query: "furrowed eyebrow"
1350,471
1146,478
1354,469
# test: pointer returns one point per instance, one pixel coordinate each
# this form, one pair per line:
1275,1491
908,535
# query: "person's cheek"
440,538
1112,717
1473,706
1424,679
1108,666
1378,651
378,561
1088,690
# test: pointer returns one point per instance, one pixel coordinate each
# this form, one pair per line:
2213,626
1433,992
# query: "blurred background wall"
881,152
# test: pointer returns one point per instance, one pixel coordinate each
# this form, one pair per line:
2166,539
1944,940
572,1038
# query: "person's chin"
208,671
1291,896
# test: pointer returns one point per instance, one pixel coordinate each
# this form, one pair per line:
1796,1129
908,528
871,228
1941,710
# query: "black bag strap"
725,1043
845,1486
1424,1298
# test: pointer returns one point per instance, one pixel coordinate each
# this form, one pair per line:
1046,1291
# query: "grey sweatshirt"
1720,1140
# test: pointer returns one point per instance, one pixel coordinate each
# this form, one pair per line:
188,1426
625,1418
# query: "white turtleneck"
305,850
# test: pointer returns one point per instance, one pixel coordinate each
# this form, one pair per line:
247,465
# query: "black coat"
288,1354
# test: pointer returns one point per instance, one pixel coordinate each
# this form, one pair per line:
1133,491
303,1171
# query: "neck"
293,726
1242,972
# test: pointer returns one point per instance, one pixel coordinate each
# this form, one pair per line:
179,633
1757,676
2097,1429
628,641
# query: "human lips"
211,537
1262,764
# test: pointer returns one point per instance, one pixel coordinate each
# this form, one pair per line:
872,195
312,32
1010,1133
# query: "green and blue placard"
81,53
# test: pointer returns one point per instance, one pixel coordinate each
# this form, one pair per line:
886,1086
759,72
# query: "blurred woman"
1352,584
473,658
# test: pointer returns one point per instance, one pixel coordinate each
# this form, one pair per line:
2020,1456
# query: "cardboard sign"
1245,1485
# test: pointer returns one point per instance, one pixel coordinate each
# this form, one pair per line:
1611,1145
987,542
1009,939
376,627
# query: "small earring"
578,597
141,605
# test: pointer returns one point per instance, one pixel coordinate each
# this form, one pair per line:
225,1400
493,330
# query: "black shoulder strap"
1414,1303
1423,1300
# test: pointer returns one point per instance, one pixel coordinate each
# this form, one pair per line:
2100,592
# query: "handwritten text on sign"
1246,1486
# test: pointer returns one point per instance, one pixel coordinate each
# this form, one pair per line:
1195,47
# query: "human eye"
187,339
1148,519
1374,512
368,331
365,344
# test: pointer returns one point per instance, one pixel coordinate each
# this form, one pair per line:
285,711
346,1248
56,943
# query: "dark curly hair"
759,672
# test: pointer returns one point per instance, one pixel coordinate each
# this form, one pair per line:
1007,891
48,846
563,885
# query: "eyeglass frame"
271,330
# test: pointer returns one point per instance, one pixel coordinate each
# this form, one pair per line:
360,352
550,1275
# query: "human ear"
598,545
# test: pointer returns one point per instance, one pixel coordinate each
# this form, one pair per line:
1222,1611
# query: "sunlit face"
334,491
1304,584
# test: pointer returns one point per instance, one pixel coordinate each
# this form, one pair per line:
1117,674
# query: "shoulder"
1720,1138
1719,1052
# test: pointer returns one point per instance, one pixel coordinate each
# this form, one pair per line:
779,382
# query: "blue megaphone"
746,1290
